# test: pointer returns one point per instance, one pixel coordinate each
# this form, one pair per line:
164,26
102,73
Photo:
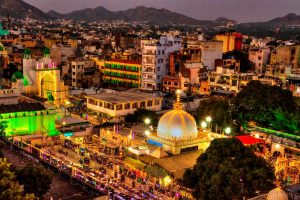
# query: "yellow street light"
227,130
147,121
208,119
147,132
203,124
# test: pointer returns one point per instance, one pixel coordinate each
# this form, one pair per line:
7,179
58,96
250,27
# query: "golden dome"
177,123
277,194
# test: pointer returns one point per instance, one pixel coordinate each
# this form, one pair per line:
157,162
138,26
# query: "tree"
229,170
35,180
10,189
219,109
3,126
140,115
268,106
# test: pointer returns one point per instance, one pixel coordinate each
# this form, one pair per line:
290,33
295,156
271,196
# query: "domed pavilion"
277,194
177,131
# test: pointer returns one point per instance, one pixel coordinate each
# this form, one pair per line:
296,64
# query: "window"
165,83
93,102
158,52
108,106
143,104
135,105
73,66
157,102
149,103
176,83
78,67
73,73
163,52
158,69
74,80
119,107
127,106
100,103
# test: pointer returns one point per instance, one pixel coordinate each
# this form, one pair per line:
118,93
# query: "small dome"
177,123
277,194
18,75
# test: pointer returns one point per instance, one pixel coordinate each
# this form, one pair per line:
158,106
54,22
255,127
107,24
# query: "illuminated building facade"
123,73
28,119
118,105
42,78
177,132
231,41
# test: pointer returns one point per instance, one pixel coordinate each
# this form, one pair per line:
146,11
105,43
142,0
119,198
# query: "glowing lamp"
147,121
203,124
208,119
228,130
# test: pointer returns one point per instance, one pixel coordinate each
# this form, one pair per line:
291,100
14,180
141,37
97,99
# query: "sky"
239,10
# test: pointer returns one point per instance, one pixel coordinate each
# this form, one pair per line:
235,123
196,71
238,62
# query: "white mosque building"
177,132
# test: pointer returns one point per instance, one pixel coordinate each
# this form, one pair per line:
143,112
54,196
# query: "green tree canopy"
3,126
140,115
219,109
269,106
35,179
10,189
229,170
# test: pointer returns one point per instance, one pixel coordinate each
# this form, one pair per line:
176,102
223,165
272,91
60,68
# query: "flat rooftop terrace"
122,97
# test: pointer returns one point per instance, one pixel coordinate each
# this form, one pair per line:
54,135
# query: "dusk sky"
240,10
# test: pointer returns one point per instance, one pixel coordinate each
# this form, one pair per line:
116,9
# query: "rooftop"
21,107
123,97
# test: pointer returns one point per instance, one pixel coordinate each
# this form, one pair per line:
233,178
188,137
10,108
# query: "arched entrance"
47,85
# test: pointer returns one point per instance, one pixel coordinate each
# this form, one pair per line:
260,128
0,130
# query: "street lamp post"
227,130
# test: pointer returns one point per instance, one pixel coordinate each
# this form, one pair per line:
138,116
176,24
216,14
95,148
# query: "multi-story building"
288,55
223,79
155,59
231,41
184,70
279,71
259,57
210,51
118,105
123,73
84,73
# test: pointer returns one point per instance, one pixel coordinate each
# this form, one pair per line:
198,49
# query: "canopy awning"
249,140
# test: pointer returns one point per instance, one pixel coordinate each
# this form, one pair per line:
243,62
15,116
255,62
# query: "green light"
28,123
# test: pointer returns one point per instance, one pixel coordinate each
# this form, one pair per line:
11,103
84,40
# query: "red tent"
249,140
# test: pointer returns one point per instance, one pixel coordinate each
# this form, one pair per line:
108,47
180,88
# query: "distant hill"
139,14
20,10
289,19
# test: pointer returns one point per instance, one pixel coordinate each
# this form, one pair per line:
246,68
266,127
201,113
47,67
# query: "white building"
210,52
118,105
259,58
155,59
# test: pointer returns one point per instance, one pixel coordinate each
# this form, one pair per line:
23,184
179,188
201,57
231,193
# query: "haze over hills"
289,19
141,13
20,9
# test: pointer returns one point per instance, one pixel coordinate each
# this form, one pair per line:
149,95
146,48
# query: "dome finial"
177,105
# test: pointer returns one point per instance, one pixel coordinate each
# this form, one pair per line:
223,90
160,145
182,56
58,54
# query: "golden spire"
177,105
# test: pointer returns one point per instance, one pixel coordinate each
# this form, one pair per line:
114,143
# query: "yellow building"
123,73
231,41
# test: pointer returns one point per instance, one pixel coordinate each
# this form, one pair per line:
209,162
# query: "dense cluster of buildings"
108,75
